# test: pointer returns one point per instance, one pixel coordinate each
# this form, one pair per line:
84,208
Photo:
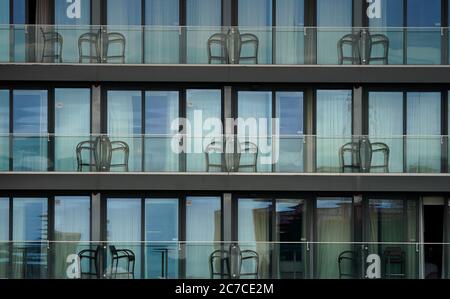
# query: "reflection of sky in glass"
333,203
424,13
30,111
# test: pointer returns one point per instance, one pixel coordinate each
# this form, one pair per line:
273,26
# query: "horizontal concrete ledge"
224,182
437,74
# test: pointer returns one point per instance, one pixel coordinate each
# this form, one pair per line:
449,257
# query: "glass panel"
391,221
121,14
255,16
4,32
334,123
203,227
30,120
424,130
447,240
4,237
204,115
4,130
335,16
72,125
72,225
386,126
161,225
334,224
124,231
161,121
19,33
290,36
255,126
30,224
291,227
162,43
254,231
125,125
65,15
208,15
391,16
290,114
424,42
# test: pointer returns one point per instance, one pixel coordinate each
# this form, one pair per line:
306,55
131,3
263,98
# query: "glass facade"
4,130
290,37
4,32
4,236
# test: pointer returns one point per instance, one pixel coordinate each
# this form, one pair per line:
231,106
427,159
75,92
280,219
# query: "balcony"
150,45
211,260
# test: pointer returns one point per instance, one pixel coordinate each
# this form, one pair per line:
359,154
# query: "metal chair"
90,40
249,257
52,40
351,258
92,256
114,38
220,40
223,258
247,149
90,148
248,40
379,147
360,153
352,40
122,254
394,256
379,40
215,148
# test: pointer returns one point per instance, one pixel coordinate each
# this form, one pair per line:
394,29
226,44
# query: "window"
72,125
4,237
4,130
290,36
4,31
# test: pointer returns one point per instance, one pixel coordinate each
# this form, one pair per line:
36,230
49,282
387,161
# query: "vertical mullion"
182,236
11,238
51,129
405,131
183,115
183,32
51,236
444,131
11,129
143,129
274,116
405,32
274,31
143,239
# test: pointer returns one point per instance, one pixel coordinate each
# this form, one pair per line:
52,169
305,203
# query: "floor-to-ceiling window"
204,117
4,30
125,17
334,233
72,231
390,24
333,126
29,231
162,44
203,19
72,125
71,23
4,237
203,234
290,35
392,233
424,33
334,17
30,128
19,32
4,130
125,125
161,123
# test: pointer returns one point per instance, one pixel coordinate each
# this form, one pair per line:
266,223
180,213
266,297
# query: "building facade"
224,139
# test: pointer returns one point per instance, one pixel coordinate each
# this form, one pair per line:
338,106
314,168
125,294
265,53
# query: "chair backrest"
250,152
91,40
114,38
52,39
248,42
89,147
383,149
220,40
249,257
376,40
212,150
219,259
353,41
348,259
356,156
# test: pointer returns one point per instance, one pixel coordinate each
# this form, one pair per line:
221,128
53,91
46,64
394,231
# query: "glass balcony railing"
222,45
223,154
215,260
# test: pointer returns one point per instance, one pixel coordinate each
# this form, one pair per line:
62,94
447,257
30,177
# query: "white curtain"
290,34
4,130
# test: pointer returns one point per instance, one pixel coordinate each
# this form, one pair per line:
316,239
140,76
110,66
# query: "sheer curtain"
124,230
125,124
162,41
424,130
4,30
203,229
203,18
290,41
386,126
72,125
4,237
255,16
335,18
333,224
161,116
4,130
334,127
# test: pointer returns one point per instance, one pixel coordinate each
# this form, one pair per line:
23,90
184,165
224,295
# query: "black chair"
247,40
92,257
53,46
359,153
215,158
218,40
114,39
376,40
90,148
91,41
383,149
247,149
122,254
394,257
250,257
351,40
348,260
221,258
